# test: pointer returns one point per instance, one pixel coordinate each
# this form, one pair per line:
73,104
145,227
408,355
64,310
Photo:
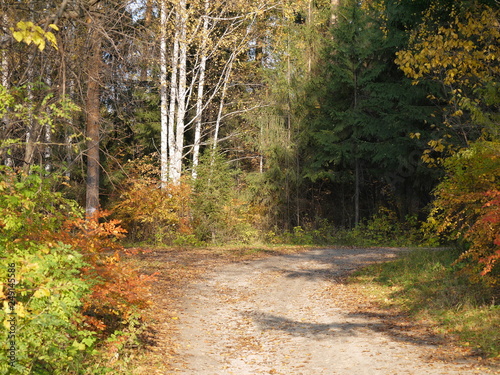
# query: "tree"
361,113
104,32
288,53
207,38
93,108
463,56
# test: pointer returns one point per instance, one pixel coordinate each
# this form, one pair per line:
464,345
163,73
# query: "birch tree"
164,119
213,31
201,88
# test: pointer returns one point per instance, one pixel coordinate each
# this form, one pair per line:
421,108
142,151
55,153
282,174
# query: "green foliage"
298,236
47,286
361,119
64,281
383,229
33,110
467,206
214,208
428,284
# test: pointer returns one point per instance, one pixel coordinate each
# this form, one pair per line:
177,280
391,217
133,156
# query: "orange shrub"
148,212
118,290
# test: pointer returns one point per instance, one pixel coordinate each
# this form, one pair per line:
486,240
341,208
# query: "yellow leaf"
415,135
42,292
6,324
24,25
28,38
51,38
18,35
54,27
78,345
41,45
6,307
20,310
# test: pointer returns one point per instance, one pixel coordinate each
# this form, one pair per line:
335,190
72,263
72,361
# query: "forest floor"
286,311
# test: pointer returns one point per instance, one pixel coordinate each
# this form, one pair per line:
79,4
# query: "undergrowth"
382,229
431,285
70,305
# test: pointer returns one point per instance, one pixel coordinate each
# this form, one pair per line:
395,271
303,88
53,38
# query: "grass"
430,286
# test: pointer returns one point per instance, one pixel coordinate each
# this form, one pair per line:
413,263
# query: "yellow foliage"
42,292
462,51
28,32
20,310
148,211
464,56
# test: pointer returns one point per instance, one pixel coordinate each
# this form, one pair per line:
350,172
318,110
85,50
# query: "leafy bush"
191,213
467,207
64,289
219,214
43,283
383,229
148,212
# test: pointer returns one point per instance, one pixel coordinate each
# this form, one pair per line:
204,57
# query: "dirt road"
279,316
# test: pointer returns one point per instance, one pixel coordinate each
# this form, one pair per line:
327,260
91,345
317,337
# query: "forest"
128,123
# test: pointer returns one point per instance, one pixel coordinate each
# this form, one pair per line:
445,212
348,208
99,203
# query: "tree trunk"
221,104
356,192
47,155
32,133
7,160
199,101
163,95
173,106
176,159
147,25
93,119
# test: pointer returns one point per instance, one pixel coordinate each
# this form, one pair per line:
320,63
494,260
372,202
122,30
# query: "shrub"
148,212
219,214
65,290
467,206
383,229
43,287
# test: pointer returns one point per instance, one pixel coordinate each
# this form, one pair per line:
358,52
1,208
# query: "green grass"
429,285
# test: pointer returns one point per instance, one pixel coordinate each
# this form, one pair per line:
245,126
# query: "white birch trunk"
47,155
163,95
176,161
172,108
201,86
221,104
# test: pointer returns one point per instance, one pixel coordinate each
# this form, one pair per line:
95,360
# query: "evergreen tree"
363,119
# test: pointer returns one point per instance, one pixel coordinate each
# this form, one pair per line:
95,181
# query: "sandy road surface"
277,316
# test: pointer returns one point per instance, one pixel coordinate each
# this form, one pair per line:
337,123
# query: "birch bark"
163,94
201,86
176,157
